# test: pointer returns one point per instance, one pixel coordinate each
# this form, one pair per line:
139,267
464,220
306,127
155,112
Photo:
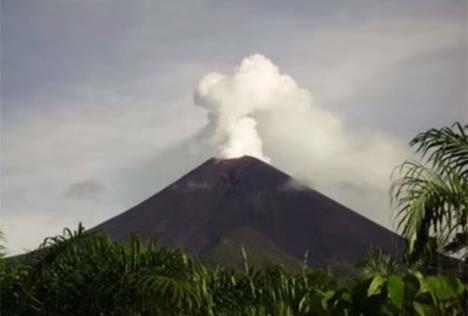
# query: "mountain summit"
225,204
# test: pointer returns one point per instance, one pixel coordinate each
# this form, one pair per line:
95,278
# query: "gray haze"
97,101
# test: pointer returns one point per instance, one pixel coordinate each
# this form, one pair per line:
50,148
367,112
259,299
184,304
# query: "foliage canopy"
82,273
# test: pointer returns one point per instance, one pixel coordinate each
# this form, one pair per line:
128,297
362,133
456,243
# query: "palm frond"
447,146
431,196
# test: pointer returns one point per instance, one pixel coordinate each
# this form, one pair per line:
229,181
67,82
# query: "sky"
103,103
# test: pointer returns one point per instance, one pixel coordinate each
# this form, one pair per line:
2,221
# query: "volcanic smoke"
234,100
257,110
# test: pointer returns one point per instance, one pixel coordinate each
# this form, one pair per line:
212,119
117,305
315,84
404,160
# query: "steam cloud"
234,100
258,111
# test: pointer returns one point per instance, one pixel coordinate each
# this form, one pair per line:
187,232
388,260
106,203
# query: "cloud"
294,185
194,186
233,99
85,190
297,134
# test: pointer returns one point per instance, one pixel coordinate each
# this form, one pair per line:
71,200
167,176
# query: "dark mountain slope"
246,201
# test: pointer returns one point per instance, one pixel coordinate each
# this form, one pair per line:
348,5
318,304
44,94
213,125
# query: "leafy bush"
82,273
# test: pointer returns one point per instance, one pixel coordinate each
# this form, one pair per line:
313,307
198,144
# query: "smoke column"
234,100
256,110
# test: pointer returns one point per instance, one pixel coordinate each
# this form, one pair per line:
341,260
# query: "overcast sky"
97,109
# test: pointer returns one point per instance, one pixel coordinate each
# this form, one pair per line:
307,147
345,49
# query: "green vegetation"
87,273
431,195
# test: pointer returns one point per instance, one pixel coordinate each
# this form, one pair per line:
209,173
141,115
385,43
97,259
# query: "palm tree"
431,195
2,246
87,273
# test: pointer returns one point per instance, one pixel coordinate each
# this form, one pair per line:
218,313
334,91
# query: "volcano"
226,204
